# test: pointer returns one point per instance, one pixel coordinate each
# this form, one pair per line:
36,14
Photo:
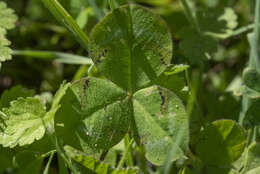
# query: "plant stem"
46,170
142,161
111,5
64,17
60,57
253,39
122,161
129,160
190,15
61,152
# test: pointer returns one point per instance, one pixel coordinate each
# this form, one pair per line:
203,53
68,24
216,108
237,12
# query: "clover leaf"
131,47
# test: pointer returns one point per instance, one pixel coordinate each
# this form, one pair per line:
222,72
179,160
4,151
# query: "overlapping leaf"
7,20
26,120
94,165
224,140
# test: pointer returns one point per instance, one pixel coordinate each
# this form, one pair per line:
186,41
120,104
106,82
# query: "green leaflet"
7,20
24,122
252,160
251,79
252,114
131,46
159,116
254,171
94,165
224,140
26,119
96,113
175,69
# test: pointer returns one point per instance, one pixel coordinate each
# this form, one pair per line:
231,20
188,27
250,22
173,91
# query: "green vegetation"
129,87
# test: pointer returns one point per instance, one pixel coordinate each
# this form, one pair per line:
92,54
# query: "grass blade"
64,17
57,56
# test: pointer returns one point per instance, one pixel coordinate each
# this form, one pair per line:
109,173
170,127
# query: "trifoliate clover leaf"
26,119
7,20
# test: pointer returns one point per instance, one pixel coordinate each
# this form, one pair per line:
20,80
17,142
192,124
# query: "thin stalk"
90,69
60,57
46,170
112,5
122,161
64,18
62,165
142,161
129,159
253,39
190,15
64,156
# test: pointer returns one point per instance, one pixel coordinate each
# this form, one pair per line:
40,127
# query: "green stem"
60,57
64,17
90,69
112,5
48,153
129,160
122,161
253,39
190,15
46,170
142,161
62,153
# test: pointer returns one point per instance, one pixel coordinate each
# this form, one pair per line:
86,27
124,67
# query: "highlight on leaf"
7,21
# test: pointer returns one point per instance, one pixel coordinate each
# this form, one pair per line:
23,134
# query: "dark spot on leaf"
103,155
162,96
87,83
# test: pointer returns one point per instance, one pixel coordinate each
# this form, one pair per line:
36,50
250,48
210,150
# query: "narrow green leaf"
175,69
46,170
65,58
64,18
94,165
